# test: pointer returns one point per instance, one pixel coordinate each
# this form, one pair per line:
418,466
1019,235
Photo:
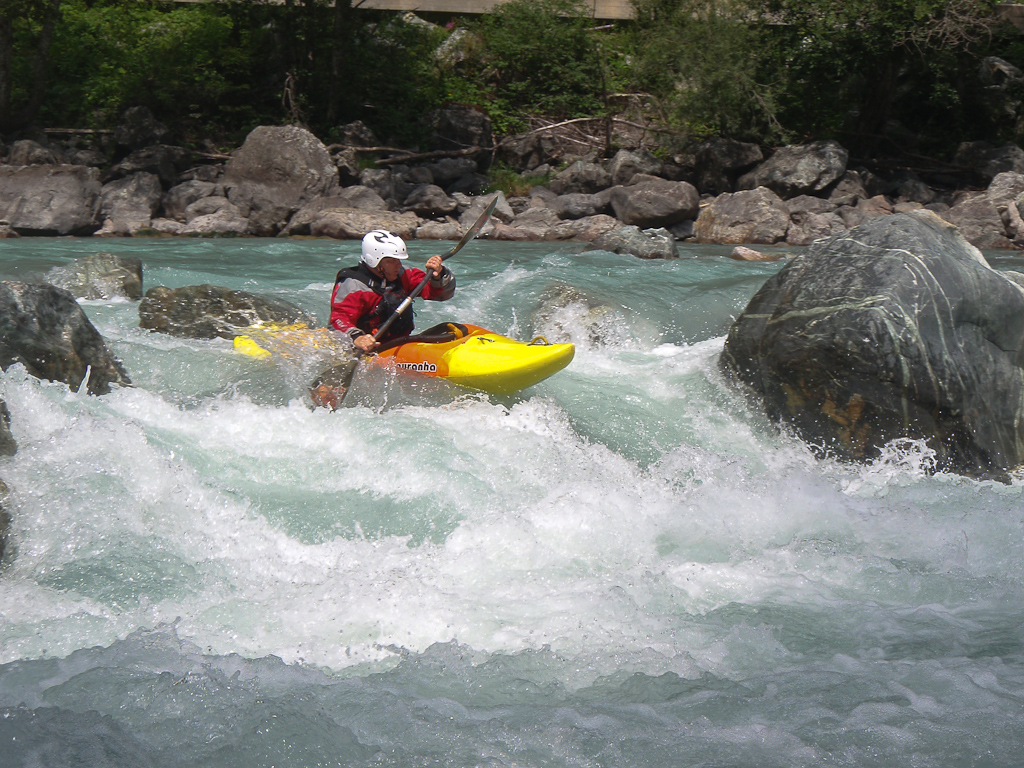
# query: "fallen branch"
78,130
404,155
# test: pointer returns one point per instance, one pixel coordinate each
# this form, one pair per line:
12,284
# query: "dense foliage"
899,76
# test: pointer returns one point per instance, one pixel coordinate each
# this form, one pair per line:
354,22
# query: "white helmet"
378,244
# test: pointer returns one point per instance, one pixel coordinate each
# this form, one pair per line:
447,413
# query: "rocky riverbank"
283,181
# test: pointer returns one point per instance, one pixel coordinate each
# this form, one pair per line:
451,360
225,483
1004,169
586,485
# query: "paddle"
332,384
470,234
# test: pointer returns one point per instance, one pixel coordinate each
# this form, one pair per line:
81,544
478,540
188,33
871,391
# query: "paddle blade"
329,388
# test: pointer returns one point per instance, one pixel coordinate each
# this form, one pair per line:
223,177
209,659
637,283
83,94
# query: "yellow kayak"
466,355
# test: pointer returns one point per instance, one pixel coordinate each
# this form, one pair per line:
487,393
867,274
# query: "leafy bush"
701,58
531,56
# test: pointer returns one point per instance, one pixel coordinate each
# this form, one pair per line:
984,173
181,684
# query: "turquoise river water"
624,566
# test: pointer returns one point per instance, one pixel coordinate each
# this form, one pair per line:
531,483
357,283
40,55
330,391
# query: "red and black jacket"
362,301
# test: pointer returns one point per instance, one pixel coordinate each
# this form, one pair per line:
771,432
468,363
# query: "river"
624,566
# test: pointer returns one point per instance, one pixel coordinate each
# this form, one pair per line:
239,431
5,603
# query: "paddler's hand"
366,343
435,264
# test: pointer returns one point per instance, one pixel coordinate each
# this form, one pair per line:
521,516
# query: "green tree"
531,56
26,28
853,67
702,58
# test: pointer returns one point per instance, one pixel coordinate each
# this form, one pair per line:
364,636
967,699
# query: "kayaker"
366,295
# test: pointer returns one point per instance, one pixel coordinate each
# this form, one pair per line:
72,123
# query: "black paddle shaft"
470,234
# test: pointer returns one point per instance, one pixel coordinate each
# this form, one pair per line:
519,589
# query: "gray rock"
100,276
446,229
749,216
217,224
989,161
347,162
528,152
742,253
627,163
166,226
531,224
28,152
209,206
470,184
429,201
163,160
580,176
564,310
799,169
90,157
588,229
276,171
577,205
380,181
896,329
502,212
210,311
806,227
979,222
350,198
50,199
352,223
180,196
864,210
43,328
129,204
645,244
849,189
718,162
655,203
448,170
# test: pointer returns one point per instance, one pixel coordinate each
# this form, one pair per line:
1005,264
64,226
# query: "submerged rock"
43,328
642,243
896,329
209,311
564,313
5,518
100,276
8,446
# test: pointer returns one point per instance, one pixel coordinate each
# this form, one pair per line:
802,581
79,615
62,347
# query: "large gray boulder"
353,223
43,328
210,311
896,329
799,169
50,199
275,172
655,203
750,216
979,221
129,204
